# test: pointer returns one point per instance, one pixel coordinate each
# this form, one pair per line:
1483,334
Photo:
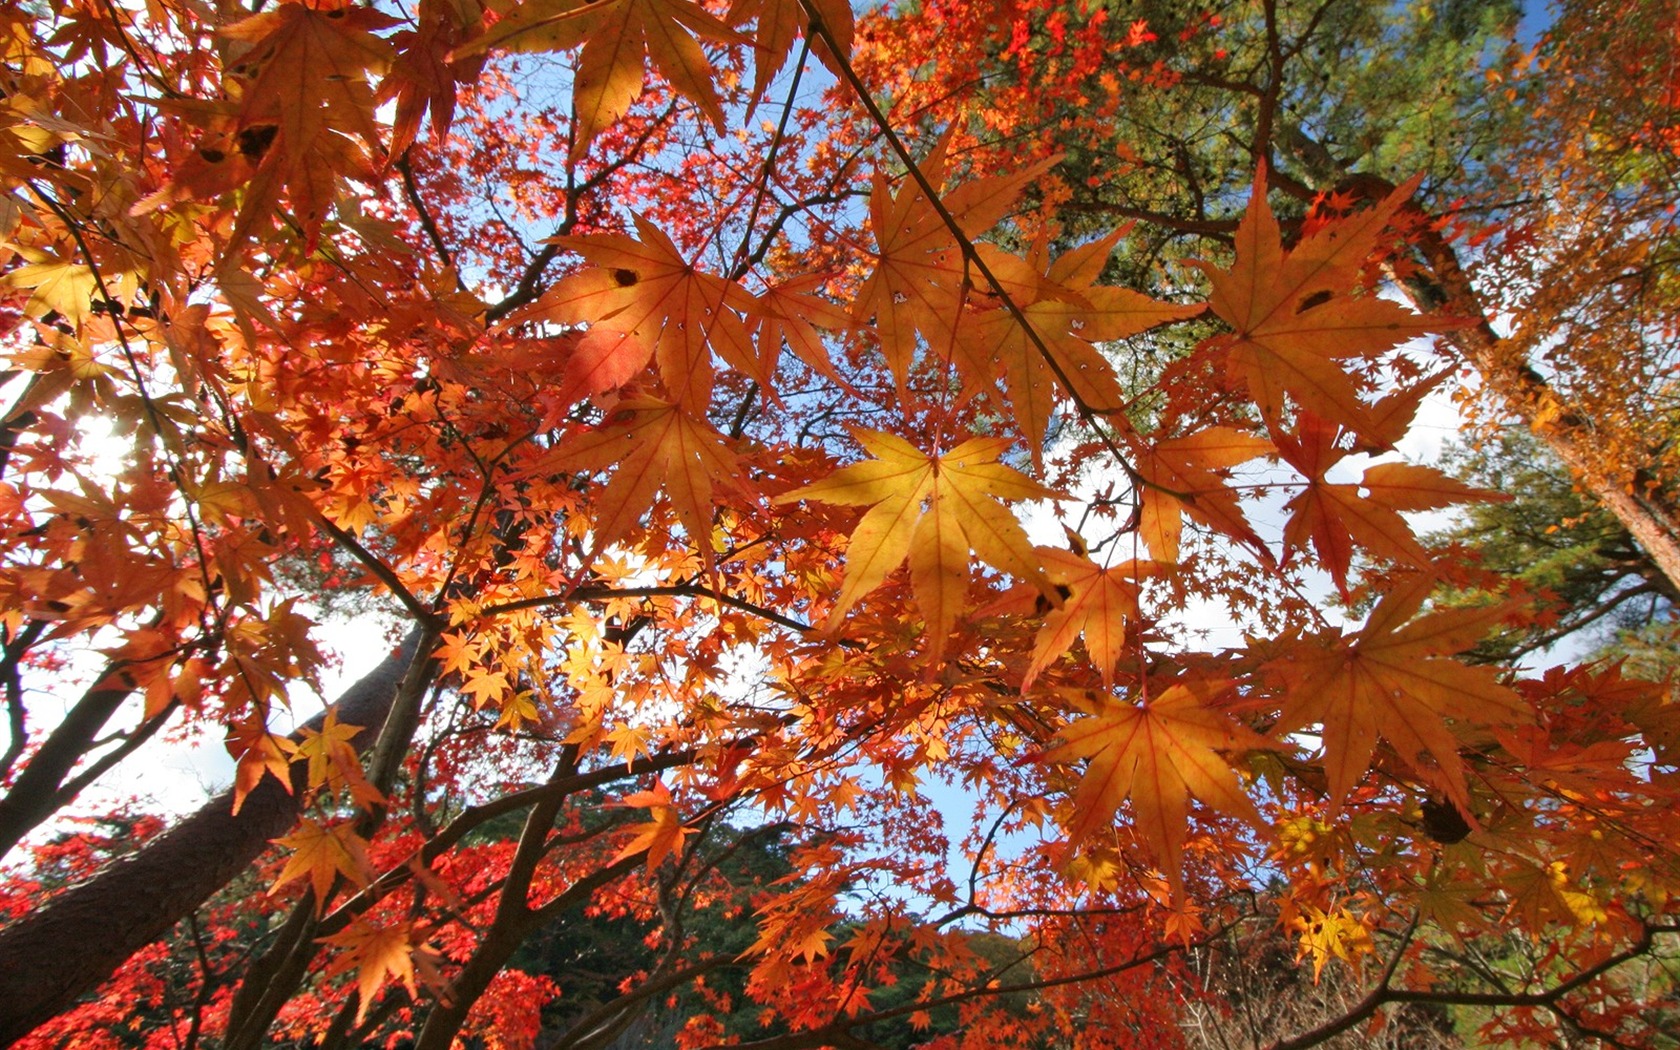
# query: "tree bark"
63,951
33,796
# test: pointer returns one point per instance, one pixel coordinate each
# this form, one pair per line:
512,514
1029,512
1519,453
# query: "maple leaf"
1158,753
1097,603
1393,679
333,762
1540,894
306,71
794,924
921,279
378,954
642,300
1337,517
302,87
1449,905
659,446
485,685
788,313
1071,313
54,285
1391,417
1182,476
328,750
779,22
1333,934
258,753
321,854
518,710
961,491
617,37
659,836
1293,313
423,76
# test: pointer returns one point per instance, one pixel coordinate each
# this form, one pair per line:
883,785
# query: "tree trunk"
1649,516
63,951
1525,393
33,796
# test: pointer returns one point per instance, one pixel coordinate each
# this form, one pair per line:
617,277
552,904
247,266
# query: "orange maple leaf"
423,76
1071,312
302,89
1158,753
660,836
1293,313
333,762
642,300
618,37
307,71
660,445
1182,475
1393,679
779,22
1338,516
258,753
378,954
1098,602
931,510
321,853
788,312
921,278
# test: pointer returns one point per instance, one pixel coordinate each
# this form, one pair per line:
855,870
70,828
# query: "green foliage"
1596,584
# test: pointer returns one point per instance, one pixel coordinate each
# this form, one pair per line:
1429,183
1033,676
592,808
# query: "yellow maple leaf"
55,286
517,710
932,510
1333,934
330,754
321,853
1541,894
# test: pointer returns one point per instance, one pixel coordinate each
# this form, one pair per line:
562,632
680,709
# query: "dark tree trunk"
63,951
33,796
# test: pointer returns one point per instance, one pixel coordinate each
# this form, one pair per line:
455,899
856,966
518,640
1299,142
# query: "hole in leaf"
255,140
1315,299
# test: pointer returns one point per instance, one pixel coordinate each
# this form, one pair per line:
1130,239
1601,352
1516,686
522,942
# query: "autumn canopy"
922,526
